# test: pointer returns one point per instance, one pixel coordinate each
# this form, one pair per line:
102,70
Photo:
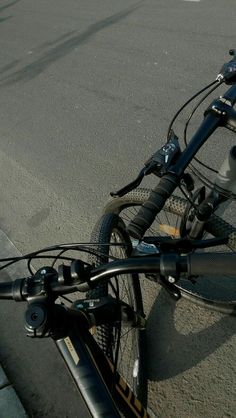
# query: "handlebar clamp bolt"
36,321
171,279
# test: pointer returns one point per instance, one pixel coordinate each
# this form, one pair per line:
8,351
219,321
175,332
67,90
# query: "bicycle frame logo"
72,350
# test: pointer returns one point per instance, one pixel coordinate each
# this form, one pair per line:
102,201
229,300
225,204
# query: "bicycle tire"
207,293
131,359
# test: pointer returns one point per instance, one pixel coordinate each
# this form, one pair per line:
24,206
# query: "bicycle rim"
216,294
127,342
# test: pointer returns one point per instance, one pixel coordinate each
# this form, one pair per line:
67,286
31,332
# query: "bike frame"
93,374
81,353
219,113
101,386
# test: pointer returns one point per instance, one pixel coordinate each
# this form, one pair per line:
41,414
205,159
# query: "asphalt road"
87,90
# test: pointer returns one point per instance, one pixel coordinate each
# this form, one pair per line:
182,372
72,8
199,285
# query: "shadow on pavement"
61,49
3,19
9,66
172,352
6,6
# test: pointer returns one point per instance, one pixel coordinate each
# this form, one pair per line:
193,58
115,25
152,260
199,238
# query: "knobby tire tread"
216,226
102,234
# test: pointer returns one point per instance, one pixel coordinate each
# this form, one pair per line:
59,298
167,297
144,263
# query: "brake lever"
157,164
129,187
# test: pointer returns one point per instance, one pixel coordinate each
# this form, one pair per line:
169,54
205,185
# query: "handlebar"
152,206
48,286
219,113
6,290
214,264
230,95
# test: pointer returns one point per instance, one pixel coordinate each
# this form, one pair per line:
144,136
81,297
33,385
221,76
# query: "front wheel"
124,346
218,294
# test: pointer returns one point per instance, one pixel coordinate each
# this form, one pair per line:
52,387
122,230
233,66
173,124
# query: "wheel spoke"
122,288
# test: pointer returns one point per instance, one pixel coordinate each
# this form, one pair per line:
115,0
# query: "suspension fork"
224,187
204,211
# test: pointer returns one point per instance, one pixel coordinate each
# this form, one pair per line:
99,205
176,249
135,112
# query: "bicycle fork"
218,198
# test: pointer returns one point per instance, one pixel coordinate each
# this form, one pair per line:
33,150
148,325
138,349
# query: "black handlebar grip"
152,206
6,290
216,264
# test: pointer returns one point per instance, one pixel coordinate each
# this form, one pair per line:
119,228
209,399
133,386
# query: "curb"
10,404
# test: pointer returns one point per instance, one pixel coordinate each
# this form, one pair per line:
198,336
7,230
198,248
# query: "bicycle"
91,334
103,389
158,220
